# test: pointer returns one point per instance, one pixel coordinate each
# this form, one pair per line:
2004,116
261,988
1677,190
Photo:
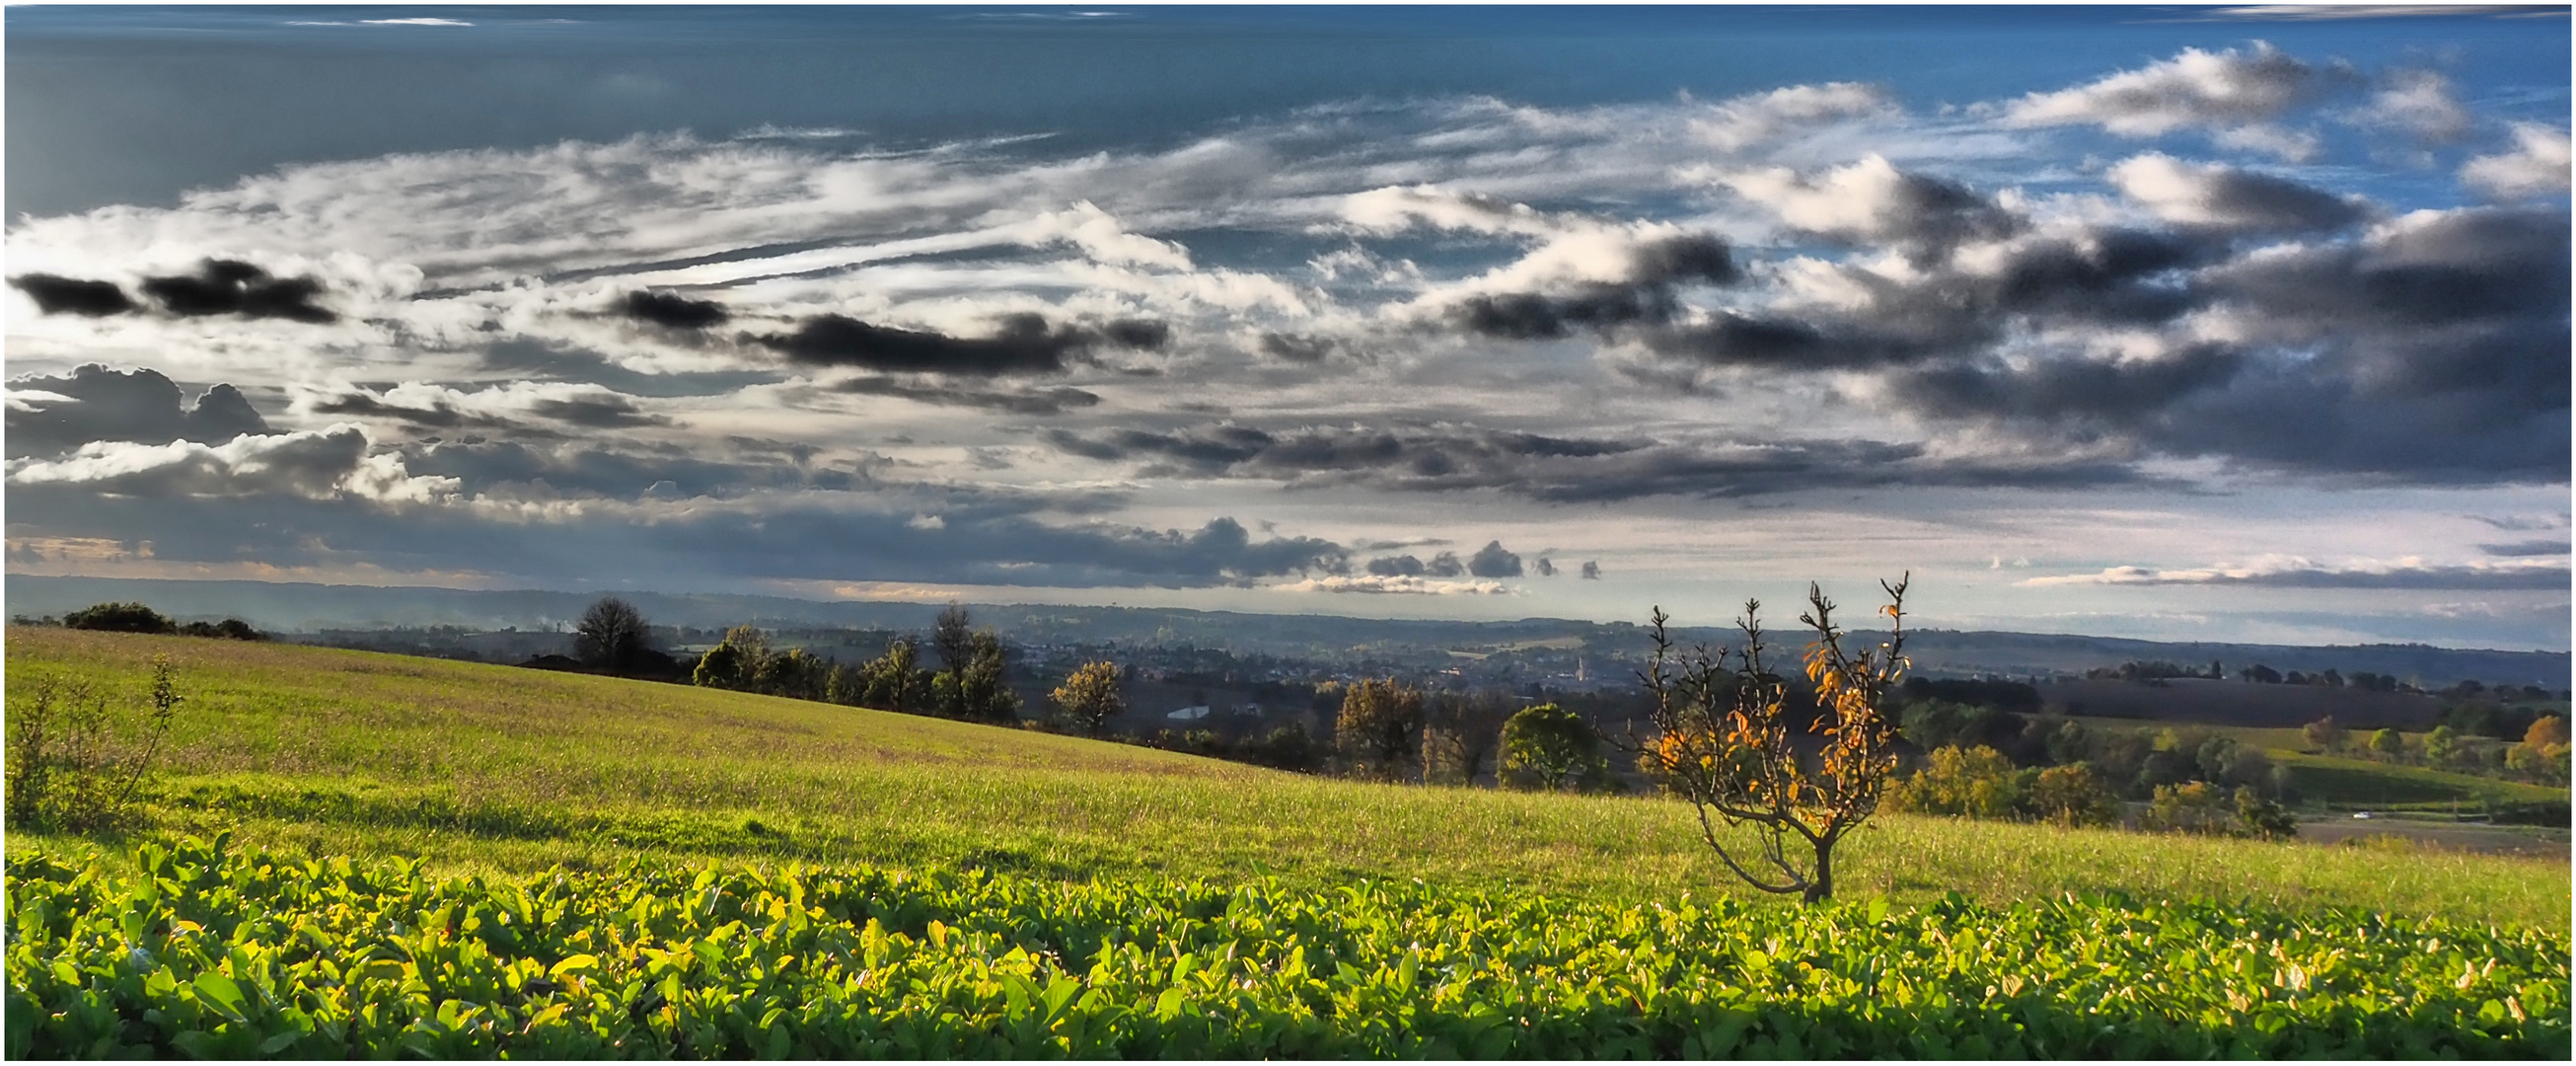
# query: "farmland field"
460,859
331,753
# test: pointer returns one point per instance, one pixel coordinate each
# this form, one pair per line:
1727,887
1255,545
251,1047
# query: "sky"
2242,323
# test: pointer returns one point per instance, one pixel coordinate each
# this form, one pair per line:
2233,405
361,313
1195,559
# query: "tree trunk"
1821,887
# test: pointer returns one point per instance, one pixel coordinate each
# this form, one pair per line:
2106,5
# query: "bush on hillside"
228,629
1971,782
120,618
2072,795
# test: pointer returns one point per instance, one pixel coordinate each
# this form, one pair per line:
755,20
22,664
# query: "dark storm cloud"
1647,295
112,405
1138,333
2435,349
672,310
230,287
1303,348
2520,549
2247,200
523,468
1023,402
2106,277
975,543
595,412
1024,345
499,409
1558,469
1395,566
60,295
2230,198
1492,561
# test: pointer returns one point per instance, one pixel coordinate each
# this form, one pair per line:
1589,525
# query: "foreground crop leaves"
202,952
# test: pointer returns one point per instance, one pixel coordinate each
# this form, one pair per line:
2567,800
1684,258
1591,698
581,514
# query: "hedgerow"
197,950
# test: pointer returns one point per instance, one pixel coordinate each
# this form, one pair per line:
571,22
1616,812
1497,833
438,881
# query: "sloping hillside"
335,752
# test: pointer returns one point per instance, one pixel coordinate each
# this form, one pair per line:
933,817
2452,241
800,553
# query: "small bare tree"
1721,742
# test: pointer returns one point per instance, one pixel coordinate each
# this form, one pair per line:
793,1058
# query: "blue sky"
2248,323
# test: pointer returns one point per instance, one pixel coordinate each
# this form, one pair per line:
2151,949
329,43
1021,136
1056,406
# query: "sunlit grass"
472,766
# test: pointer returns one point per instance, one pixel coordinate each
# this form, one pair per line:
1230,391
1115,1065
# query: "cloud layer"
1463,319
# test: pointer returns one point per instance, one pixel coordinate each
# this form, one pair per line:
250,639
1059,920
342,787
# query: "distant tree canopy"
973,691
1379,726
2323,734
1551,748
120,618
2019,697
2549,731
952,636
894,681
228,629
737,662
2148,671
1090,697
1460,734
612,636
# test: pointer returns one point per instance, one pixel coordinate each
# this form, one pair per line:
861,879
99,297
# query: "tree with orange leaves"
1721,743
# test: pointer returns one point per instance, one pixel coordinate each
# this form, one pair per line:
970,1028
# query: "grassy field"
321,752
2348,782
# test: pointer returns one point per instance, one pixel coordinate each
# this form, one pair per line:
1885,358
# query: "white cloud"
1373,584
2215,195
2537,166
2235,94
318,464
2294,572
2421,104
1749,120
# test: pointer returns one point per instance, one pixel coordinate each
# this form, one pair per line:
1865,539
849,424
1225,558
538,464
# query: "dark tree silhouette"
613,636
953,637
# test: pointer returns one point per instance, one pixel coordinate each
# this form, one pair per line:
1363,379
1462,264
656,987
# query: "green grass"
485,768
2347,782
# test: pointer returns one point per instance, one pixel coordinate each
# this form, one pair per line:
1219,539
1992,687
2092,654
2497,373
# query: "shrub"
2192,807
2073,795
1974,782
1288,747
119,618
228,629
66,768
2259,817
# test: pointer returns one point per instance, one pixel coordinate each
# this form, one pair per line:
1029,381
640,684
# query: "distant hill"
308,608
2191,699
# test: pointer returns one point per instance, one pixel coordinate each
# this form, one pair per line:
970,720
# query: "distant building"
1189,714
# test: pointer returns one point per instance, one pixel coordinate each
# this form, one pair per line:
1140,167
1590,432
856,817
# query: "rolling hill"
328,752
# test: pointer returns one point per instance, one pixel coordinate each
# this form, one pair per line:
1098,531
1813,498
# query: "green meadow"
479,769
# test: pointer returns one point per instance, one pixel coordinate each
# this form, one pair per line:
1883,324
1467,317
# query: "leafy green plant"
197,950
